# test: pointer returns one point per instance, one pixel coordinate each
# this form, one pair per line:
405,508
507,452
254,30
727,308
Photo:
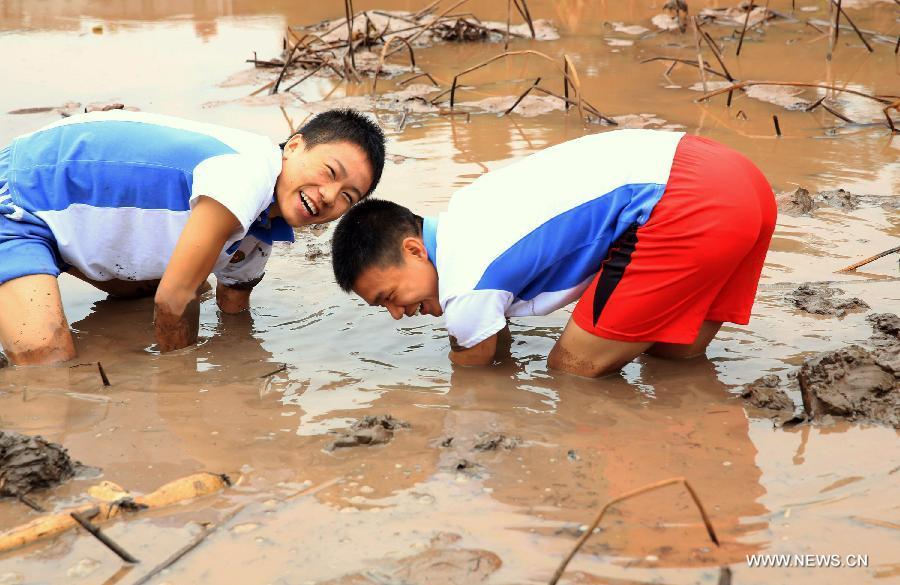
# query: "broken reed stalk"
304,78
435,21
815,104
744,28
641,490
835,28
777,125
30,503
84,518
853,25
418,75
348,9
699,54
686,62
508,18
837,114
567,78
384,55
716,53
576,85
887,114
194,543
522,97
566,83
870,259
526,16
103,377
587,105
743,84
287,63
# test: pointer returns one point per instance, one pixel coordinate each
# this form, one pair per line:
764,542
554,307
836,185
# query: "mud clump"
886,324
31,463
801,202
851,382
495,441
766,393
820,300
855,382
369,430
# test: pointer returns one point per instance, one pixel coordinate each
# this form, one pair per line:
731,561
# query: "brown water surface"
404,512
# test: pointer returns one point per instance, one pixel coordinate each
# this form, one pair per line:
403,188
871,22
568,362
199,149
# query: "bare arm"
177,311
232,300
481,354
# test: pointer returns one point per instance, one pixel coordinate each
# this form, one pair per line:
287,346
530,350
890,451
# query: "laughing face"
407,289
320,184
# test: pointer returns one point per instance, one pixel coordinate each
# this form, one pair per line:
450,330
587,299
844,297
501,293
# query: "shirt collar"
268,230
429,236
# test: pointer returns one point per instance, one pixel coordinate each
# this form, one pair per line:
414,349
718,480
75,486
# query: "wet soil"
298,512
32,463
369,430
855,382
821,300
852,382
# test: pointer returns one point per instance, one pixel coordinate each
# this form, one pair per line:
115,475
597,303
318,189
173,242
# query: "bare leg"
33,326
585,354
687,350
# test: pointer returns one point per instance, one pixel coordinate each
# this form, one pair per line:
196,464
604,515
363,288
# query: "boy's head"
377,251
329,164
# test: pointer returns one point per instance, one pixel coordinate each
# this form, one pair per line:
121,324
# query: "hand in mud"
176,330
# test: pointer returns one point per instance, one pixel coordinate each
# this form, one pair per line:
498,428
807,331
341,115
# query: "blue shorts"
27,245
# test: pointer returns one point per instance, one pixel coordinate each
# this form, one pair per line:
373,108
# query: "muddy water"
414,510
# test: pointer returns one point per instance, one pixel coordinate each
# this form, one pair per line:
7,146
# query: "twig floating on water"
647,488
870,259
83,518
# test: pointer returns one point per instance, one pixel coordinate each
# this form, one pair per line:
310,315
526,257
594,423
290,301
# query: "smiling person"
139,204
660,236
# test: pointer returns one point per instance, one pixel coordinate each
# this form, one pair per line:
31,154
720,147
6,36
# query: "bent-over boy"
140,204
661,236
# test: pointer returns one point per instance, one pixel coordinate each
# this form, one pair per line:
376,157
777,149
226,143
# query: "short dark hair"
370,234
346,125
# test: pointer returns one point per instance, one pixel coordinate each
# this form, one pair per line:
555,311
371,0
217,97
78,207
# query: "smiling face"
320,184
405,289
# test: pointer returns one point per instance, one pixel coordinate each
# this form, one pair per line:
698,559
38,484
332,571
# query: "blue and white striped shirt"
528,238
116,189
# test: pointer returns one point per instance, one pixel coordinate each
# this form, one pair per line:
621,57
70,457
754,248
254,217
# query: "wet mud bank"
858,382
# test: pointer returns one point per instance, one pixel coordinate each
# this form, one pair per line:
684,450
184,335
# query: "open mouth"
308,204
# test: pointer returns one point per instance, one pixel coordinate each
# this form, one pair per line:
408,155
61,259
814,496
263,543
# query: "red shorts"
697,258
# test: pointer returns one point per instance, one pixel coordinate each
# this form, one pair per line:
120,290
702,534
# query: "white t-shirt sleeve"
242,183
474,316
247,265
